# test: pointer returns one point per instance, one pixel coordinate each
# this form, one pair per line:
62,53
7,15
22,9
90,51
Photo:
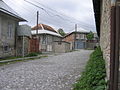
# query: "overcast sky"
57,13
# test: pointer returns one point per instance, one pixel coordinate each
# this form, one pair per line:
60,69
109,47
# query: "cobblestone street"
55,72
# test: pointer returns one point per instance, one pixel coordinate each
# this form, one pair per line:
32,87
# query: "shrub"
32,54
93,78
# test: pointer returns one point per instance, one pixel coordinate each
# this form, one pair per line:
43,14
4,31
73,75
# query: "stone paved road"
51,73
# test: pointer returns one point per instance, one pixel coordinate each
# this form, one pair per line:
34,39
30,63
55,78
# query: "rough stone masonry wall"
5,40
105,33
20,46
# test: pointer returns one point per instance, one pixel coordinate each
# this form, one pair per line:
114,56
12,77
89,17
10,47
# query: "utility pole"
37,35
37,22
75,36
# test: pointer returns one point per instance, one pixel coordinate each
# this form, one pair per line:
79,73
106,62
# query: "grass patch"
15,57
93,77
7,58
22,60
32,54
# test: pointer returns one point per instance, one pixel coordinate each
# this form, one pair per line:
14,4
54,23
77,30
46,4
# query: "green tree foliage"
61,32
90,36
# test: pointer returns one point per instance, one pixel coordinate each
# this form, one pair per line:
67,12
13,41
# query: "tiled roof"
43,26
7,10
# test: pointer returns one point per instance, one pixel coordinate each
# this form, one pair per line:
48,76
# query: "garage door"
79,45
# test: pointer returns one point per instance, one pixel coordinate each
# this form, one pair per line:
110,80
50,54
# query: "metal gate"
79,45
34,45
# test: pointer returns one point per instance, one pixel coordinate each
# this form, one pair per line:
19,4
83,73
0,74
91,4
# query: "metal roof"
45,32
44,26
7,10
82,30
79,30
24,30
97,14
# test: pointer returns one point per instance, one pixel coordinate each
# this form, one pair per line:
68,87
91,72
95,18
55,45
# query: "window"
77,36
10,28
44,39
6,47
81,36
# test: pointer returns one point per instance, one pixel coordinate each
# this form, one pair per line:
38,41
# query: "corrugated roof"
43,26
79,30
97,14
6,9
45,32
82,30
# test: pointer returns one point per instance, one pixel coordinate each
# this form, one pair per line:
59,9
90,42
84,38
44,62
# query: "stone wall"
105,33
61,47
20,45
7,35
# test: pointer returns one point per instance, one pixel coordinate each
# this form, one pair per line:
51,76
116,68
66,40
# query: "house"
77,38
46,36
107,17
9,20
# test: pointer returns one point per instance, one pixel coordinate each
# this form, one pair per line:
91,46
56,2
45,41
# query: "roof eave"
11,14
74,32
97,14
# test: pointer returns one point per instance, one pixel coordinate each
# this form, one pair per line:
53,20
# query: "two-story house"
77,38
9,21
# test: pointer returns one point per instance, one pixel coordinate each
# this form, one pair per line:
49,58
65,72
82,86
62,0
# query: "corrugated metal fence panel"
79,45
34,45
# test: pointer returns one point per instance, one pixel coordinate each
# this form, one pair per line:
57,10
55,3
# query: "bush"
32,54
93,78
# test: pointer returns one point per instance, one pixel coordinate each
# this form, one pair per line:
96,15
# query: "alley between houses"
55,72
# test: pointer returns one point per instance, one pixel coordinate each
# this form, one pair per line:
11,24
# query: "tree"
90,36
61,32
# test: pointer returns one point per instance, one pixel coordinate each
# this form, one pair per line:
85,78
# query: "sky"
56,13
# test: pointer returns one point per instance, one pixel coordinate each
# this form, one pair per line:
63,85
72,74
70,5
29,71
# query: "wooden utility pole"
75,36
37,35
37,22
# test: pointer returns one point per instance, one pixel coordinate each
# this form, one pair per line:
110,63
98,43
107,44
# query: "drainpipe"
114,54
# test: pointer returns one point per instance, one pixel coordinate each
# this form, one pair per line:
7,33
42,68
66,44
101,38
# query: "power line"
54,10
57,11
67,23
53,15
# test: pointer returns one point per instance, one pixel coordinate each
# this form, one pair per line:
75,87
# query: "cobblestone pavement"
51,73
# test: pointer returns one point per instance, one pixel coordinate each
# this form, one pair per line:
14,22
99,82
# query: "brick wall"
69,38
105,32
